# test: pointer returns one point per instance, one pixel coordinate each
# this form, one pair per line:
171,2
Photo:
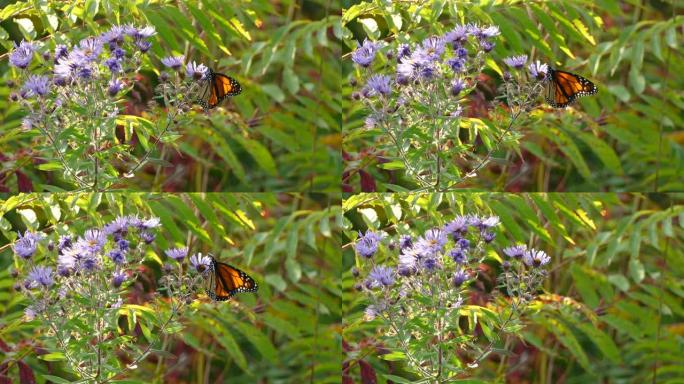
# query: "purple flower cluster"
444,57
26,245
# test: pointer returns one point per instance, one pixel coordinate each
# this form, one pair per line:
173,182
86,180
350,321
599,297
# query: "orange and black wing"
565,88
218,87
226,281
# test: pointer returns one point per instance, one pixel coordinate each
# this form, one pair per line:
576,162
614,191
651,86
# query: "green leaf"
604,342
636,269
54,356
56,379
371,28
259,340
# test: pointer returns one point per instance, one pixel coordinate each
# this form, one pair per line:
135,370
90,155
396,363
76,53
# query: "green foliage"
612,310
282,133
625,138
289,243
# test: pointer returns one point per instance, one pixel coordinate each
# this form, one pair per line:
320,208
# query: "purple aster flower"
41,276
461,53
457,86
143,45
61,51
195,71
85,72
538,70
151,223
66,263
432,48
459,278
403,50
488,236
516,62
134,221
456,64
200,263
370,122
515,251
487,45
473,29
489,32
26,245
115,36
458,255
474,221
123,245
457,36
381,275
37,85
86,260
89,49
130,30
430,263
463,243
119,226
118,277
457,227
93,240
147,237
535,258
489,222
173,62
22,54
27,123
117,255
64,242
115,85
370,313
113,64
143,33
119,53
177,254
379,85
364,54
405,242
413,67
407,263
367,244
432,242
29,313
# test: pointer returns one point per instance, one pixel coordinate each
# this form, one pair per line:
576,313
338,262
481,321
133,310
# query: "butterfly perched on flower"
224,281
217,87
563,88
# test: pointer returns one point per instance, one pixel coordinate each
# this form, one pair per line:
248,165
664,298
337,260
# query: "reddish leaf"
25,374
367,373
367,182
5,380
4,347
23,182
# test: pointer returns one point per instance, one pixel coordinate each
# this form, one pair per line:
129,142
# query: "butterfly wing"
217,88
225,281
565,87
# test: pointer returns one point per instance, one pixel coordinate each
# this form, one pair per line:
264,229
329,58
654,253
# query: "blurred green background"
611,310
628,137
288,332
281,134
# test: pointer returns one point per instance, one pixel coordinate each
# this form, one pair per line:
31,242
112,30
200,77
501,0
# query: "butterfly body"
225,281
218,87
564,88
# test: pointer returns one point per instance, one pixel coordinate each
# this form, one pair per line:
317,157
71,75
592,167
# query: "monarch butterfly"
563,88
218,87
225,281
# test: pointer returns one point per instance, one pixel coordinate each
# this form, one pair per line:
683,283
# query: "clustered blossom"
26,245
177,254
22,54
196,71
201,263
415,277
419,80
368,244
